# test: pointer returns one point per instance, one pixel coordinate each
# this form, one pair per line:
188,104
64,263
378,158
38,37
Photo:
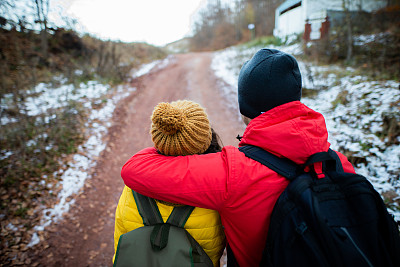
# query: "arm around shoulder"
198,180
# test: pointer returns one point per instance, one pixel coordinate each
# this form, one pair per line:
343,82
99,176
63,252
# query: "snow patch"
353,126
154,65
73,178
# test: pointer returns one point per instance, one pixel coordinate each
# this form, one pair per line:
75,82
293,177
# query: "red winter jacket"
242,190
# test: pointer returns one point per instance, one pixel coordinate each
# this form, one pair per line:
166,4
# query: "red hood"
291,130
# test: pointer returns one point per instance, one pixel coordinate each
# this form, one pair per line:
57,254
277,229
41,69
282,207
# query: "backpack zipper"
357,247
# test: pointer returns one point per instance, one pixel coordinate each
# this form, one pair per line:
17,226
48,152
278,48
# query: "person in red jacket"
242,190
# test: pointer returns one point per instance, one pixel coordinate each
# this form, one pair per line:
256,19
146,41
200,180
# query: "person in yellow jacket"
178,128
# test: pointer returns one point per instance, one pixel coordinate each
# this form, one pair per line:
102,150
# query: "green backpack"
158,243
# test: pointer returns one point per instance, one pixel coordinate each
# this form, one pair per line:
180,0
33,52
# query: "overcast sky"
157,22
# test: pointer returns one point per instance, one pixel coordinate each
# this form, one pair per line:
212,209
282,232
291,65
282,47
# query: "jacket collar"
291,130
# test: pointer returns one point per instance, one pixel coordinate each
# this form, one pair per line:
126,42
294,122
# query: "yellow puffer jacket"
203,224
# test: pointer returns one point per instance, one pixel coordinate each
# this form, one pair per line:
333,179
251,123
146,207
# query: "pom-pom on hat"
269,79
180,128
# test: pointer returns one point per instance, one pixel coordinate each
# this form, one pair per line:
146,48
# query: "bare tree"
239,19
222,23
42,11
349,29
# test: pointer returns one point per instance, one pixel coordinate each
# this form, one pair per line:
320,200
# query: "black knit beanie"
269,79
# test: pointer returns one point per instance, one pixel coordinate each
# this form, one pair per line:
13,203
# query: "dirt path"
85,236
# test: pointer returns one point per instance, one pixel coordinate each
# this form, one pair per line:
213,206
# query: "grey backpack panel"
158,243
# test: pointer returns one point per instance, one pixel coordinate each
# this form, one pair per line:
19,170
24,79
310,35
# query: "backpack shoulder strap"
282,166
148,209
151,215
286,167
160,234
180,215
330,159
334,155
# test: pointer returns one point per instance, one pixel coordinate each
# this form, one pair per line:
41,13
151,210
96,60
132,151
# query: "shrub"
265,41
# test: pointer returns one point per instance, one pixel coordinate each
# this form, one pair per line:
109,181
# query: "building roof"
287,4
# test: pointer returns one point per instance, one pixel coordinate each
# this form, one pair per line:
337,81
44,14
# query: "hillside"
71,119
54,109
356,110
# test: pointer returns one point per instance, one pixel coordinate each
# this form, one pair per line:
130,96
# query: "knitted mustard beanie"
180,128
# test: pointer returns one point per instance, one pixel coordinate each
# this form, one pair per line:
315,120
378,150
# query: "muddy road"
85,236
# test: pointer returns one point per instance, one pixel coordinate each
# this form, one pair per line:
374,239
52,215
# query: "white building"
291,15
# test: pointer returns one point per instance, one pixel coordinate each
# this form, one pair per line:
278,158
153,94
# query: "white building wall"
291,22
355,5
294,20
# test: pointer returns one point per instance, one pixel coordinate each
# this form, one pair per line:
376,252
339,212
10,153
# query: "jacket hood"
291,130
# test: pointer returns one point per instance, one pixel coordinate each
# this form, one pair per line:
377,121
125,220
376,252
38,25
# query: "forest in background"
219,24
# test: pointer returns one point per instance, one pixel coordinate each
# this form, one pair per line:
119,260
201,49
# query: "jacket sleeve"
197,180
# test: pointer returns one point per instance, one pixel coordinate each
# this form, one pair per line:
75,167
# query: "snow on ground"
44,97
152,66
226,65
353,125
73,178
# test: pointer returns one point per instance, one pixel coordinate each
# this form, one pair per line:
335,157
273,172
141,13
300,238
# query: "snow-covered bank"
99,101
74,177
226,65
354,108
153,66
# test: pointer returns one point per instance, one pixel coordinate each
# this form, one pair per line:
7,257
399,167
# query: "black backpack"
338,220
158,243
